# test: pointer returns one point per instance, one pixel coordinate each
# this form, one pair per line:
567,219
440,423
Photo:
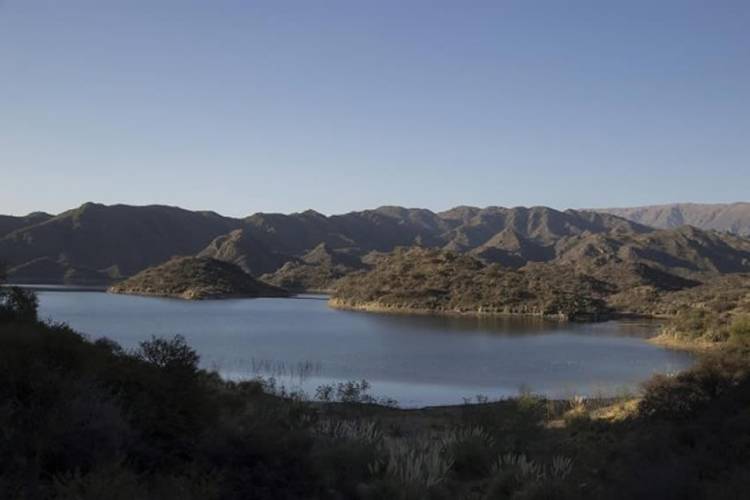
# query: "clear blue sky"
244,106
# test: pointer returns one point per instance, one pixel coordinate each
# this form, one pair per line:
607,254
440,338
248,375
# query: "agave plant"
561,467
464,434
527,470
420,462
366,431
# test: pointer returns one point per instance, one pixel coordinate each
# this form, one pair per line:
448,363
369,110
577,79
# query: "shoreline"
375,307
186,296
670,342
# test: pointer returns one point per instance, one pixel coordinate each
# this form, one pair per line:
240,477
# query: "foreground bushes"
76,415
716,376
89,420
18,304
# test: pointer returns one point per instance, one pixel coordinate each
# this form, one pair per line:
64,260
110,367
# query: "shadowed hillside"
242,249
100,244
9,223
317,270
107,242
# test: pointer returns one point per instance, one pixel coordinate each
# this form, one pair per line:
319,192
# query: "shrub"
680,397
472,450
415,463
171,354
739,331
693,323
18,304
517,476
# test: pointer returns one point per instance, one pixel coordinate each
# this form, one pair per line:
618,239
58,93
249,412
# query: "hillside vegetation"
428,280
196,278
308,251
86,419
98,243
656,273
317,270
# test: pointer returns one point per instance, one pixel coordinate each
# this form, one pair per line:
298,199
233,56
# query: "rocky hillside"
97,243
428,280
196,278
587,275
318,270
732,217
685,252
241,248
9,223
105,243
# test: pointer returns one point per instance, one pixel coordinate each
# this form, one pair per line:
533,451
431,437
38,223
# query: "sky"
280,106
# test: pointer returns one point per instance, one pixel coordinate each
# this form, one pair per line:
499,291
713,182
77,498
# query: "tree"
16,304
171,354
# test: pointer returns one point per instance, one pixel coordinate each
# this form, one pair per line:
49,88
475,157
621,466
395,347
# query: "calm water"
417,360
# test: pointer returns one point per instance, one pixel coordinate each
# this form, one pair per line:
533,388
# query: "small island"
196,278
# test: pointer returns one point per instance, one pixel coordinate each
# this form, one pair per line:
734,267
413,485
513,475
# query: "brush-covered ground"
428,280
83,419
196,278
439,281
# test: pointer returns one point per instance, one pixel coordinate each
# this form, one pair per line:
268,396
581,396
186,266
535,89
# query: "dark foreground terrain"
83,419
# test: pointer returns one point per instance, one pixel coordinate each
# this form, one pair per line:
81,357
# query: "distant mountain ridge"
96,243
102,244
730,217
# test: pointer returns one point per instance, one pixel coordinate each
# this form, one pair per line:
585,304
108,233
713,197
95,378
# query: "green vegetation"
576,287
89,420
196,278
433,280
709,314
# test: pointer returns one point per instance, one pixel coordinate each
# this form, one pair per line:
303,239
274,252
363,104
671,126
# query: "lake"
417,360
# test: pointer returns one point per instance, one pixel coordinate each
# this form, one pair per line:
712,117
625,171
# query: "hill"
107,242
318,270
241,248
428,280
102,244
196,278
9,223
732,217
585,275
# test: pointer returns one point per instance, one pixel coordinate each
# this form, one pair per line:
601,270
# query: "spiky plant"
422,462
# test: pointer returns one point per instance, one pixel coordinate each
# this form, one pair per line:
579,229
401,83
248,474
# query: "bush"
680,397
18,304
170,354
472,450
739,331
693,322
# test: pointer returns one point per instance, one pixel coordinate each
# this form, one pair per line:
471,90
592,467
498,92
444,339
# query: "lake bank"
421,360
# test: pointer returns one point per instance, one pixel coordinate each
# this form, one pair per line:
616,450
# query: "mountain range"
98,244
729,217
